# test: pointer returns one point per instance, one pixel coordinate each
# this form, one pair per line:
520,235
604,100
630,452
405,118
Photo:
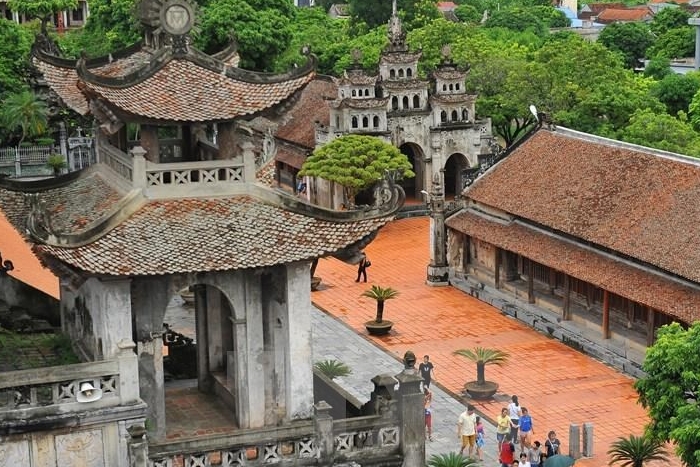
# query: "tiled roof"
311,106
64,81
356,77
399,57
362,103
622,197
660,293
610,15
96,198
211,235
184,91
452,98
403,84
448,74
291,155
27,267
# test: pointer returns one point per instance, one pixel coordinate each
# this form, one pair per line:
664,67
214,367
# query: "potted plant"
57,163
636,451
379,326
482,389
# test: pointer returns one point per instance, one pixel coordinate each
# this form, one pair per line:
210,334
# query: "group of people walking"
515,426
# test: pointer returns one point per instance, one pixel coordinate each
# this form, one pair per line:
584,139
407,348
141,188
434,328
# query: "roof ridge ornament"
397,36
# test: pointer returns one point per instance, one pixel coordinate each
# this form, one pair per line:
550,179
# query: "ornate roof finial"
397,36
356,57
446,52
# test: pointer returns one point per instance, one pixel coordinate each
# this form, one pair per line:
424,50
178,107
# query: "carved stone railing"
186,173
297,444
36,393
117,160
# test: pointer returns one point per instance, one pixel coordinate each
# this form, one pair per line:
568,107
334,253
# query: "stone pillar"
437,269
696,22
214,329
138,170
574,441
299,370
252,375
606,314
587,437
381,400
202,328
323,424
137,446
530,281
411,417
149,141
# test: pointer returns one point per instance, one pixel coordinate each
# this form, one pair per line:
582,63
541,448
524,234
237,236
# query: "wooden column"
606,314
651,325
530,281
497,268
566,309
552,280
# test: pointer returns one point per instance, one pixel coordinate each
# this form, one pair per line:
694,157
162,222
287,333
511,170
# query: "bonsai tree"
635,451
482,357
333,368
379,326
356,162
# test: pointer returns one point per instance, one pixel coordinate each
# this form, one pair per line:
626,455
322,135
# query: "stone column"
587,437
437,269
574,441
137,446
696,22
202,330
252,376
323,424
411,416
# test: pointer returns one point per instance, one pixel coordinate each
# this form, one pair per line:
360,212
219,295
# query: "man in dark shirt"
426,371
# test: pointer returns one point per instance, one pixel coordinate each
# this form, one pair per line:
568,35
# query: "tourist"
502,427
427,404
514,414
552,445
523,460
427,371
466,429
480,439
526,429
362,267
534,455
506,453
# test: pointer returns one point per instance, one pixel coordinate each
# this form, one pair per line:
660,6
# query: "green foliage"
25,112
468,14
356,162
370,46
262,29
517,19
674,43
676,91
377,13
630,40
484,355
451,459
635,451
41,9
111,26
333,368
550,16
380,295
658,68
662,131
25,351
15,45
667,19
671,366
56,162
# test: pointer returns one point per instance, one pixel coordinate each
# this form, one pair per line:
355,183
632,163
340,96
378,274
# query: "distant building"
66,19
339,10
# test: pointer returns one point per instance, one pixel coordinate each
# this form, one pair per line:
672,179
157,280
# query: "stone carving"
81,449
269,147
39,220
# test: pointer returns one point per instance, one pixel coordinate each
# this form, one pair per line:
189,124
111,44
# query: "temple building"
590,240
181,198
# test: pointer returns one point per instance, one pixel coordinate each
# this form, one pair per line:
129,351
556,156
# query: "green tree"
15,44
25,112
630,40
658,68
662,131
41,9
517,19
468,14
667,19
674,43
550,16
377,12
261,30
676,91
483,357
356,162
635,451
380,295
671,367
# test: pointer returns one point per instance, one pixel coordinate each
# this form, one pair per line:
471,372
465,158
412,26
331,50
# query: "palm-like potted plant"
482,389
636,451
379,326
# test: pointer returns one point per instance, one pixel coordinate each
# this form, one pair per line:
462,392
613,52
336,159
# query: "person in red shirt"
506,454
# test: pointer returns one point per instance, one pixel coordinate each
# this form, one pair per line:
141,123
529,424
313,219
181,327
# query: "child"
427,404
526,429
534,454
479,439
523,460
506,454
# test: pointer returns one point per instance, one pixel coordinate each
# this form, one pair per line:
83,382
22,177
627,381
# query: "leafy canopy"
484,355
332,368
25,112
636,451
672,367
356,162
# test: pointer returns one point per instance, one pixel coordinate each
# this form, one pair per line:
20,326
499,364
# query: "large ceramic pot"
481,390
378,329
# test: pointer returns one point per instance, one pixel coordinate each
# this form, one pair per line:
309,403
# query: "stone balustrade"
117,160
184,173
41,392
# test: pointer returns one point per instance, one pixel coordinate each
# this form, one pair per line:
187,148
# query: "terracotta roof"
448,74
27,267
682,302
446,6
357,77
184,91
630,199
404,84
598,7
96,196
610,15
399,57
452,98
64,82
291,156
362,103
311,106
211,234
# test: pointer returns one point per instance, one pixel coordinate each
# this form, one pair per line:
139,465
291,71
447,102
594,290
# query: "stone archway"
413,186
454,166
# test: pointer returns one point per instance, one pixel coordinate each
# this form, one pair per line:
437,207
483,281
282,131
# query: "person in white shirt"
523,460
466,429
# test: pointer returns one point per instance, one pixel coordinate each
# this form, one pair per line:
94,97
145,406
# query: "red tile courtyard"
557,384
